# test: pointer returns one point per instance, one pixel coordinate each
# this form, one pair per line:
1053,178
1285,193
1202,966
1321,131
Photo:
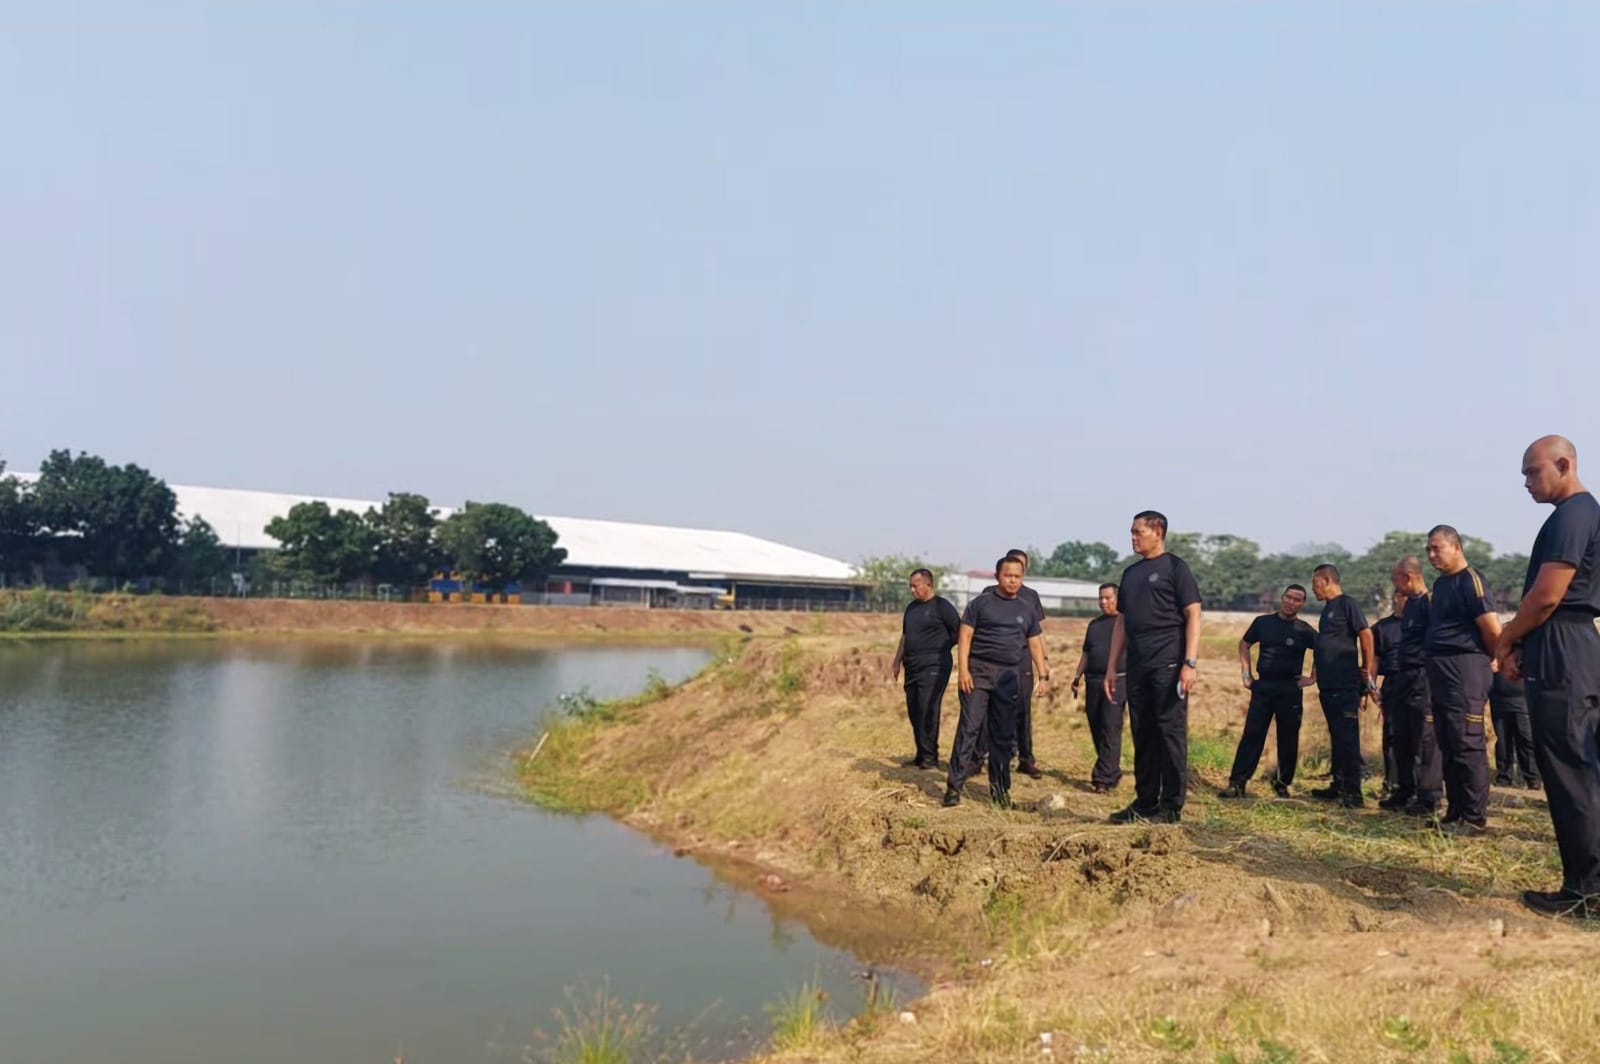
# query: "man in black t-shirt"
928,630
1104,710
1274,691
998,631
1406,705
1344,664
1552,644
1513,733
1159,628
1025,760
1462,628
1386,645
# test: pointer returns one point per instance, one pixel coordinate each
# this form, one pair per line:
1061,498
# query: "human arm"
1550,586
963,656
1119,641
1041,667
899,656
1191,647
1077,675
1244,663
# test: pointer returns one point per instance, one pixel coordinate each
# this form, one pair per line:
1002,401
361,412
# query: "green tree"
1078,560
200,558
404,529
117,522
321,546
19,527
888,574
493,544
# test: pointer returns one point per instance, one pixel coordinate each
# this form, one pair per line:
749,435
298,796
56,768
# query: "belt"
1572,615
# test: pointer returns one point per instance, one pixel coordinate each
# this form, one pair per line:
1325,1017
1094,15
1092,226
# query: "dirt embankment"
1269,930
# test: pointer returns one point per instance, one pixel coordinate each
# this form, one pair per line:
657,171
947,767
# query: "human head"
1149,533
1550,469
922,584
1020,555
1008,574
1294,597
1108,599
1444,549
1325,582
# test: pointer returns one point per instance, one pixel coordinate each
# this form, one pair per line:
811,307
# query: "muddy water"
282,851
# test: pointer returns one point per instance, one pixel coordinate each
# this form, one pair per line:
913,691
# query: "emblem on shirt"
1289,642
1154,577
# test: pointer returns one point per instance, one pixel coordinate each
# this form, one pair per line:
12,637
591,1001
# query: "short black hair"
1155,519
1001,563
922,572
1113,587
1018,553
1295,587
1447,532
1327,569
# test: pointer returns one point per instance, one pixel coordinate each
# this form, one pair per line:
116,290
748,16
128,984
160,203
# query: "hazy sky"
859,277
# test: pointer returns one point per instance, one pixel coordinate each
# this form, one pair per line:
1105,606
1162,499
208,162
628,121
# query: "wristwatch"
1193,663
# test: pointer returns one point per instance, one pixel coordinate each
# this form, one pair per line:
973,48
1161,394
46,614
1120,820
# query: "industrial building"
608,562
1075,597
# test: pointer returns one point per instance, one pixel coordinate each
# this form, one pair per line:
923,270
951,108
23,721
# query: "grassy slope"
1271,931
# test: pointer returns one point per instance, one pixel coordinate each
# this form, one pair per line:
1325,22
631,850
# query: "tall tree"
404,528
200,557
321,546
118,522
889,574
19,526
493,544
1078,560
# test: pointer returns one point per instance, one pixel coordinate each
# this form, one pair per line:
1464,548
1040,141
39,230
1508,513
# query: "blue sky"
863,278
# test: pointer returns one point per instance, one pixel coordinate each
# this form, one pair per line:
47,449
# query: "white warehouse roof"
240,518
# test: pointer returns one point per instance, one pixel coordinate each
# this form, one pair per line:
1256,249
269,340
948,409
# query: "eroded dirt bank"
1270,930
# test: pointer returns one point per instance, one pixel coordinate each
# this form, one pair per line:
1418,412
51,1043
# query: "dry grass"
1262,931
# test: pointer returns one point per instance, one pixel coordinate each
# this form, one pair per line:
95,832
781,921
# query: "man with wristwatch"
1345,665
1159,628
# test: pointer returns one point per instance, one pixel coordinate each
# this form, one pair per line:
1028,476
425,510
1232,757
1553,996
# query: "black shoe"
1463,828
934,764
1395,803
1030,770
1168,816
1232,790
1450,817
1568,904
1419,809
1102,788
1280,788
1001,799
1533,785
1132,814
952,797
1329,793
1502,781
1352,800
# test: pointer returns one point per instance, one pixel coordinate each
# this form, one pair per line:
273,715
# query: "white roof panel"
240,518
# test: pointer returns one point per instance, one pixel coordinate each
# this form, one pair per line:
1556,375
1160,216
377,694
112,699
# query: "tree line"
119,526
1230,570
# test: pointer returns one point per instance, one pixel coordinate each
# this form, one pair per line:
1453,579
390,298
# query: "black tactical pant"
991,706
1025,713
1391,773
1418,772
1513,744
1105,728
1159,721
1341,708
1270,700
925,685
1459,684
1561,665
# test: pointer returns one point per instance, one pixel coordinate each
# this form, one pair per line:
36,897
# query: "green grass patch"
799,1017
42,612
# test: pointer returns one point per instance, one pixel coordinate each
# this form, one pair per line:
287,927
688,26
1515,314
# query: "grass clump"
790,678
40,611
799,1017
599,1029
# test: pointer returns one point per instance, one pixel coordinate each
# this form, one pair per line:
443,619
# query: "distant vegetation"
116,527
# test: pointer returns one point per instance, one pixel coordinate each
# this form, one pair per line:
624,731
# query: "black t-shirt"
1571,535
1507,696
1026,594
1001,628
1338,660
1152,597
1386,644
1283,645
930,629
1458,601
1097,647
1414,631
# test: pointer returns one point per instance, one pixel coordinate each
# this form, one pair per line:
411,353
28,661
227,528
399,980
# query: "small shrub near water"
599,1029
799,1016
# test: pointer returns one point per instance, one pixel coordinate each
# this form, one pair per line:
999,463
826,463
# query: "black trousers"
992,705
1459,684
1270,700
1561,666
1105,727
1159,721
1341,708
925,684
1391,772
1513,744
1418,772
1025,713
